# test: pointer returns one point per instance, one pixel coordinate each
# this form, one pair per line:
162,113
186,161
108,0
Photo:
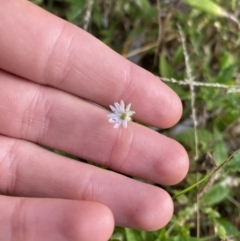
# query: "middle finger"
51,117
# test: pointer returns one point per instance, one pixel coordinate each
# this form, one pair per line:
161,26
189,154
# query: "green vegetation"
206,75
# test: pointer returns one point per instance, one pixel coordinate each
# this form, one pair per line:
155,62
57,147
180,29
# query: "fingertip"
155,103
96,224
181,166
177,109
105,221
177,165
170,108
155,211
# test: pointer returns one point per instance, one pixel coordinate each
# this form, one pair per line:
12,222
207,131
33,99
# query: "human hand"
50,73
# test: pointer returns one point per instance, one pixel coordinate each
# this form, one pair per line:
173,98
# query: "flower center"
123,116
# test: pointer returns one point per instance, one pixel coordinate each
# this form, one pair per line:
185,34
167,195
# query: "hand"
51,74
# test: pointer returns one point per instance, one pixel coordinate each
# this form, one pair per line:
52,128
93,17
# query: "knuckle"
88,189
18,220
37,117
9,167
57,64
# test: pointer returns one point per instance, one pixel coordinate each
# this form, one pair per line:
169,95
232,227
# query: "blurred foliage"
213,42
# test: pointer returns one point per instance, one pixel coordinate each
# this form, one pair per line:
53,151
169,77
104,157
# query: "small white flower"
120,115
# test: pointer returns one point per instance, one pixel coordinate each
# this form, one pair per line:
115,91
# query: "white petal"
118,112
116,104
128,107
112,108
113,115
130,113
118,109
117,125
122,106
112,120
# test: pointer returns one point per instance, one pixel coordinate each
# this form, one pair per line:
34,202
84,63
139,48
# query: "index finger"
48,50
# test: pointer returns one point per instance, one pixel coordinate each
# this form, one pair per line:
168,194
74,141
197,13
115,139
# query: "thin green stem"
204,178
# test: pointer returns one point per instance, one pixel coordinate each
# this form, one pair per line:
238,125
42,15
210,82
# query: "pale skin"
50,73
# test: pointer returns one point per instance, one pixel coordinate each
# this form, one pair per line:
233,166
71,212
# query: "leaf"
144,4
220,230
190,239
220,152
216,194
226,75
220,149
187,137
234,164
229,227
178,56
165,68
228,59
206,6
133,235
197,239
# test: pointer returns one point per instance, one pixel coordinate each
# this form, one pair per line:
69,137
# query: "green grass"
211,211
